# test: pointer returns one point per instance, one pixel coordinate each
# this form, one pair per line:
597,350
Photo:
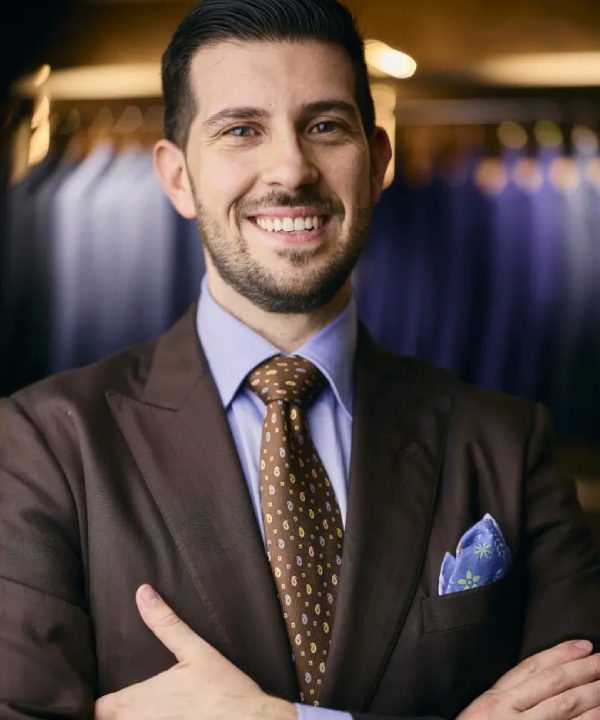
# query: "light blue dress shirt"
232,350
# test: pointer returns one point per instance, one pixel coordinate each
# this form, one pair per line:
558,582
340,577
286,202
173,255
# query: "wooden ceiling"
451,37
448,38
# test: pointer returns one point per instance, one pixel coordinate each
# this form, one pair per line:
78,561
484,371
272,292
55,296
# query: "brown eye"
325,126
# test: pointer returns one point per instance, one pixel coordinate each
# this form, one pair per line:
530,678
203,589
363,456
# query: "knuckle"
168,619
530,665
488,704
553,677
566,702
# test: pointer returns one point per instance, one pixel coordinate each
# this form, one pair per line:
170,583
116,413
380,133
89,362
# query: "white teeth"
297,224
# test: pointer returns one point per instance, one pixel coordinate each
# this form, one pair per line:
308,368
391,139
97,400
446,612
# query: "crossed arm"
562,683
47,668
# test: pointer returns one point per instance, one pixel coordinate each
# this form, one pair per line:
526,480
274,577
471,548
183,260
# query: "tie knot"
286,377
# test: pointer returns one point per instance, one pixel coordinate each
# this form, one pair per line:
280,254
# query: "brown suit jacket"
125,472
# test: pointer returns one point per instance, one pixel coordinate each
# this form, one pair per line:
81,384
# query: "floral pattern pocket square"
482,558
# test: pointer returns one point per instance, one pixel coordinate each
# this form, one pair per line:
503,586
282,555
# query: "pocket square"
482,558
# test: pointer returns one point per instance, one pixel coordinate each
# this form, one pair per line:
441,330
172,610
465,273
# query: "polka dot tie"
303,525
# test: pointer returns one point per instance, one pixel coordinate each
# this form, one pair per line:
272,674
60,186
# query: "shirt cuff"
309,712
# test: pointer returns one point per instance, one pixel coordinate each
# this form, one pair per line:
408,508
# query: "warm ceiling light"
384,60
41,76
100,82
576,69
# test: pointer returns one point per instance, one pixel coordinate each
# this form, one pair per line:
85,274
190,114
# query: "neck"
287,331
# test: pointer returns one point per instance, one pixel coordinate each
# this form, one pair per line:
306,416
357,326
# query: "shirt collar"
233,349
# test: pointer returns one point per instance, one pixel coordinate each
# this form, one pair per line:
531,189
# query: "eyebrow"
235,113
256,113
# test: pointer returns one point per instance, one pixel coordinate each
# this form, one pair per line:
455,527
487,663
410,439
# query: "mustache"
304,196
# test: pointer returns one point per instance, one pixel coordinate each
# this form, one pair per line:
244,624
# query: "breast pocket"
489,604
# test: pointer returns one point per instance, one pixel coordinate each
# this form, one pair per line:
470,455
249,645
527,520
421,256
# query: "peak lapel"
179,435
398,440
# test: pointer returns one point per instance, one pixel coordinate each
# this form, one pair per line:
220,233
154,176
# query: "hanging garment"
72,260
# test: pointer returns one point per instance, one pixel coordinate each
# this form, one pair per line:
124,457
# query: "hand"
562,683
203,685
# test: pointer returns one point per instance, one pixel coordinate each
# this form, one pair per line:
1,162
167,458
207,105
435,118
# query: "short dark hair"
213,21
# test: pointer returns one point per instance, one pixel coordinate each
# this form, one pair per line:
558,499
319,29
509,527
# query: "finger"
570,705
173,633
105,707
593,714
557,655
551,682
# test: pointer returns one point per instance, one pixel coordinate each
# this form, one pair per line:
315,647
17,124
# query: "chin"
293,298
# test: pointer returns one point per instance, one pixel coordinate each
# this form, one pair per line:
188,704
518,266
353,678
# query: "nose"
288,163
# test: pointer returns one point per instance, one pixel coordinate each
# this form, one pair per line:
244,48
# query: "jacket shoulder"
135,371
125,371
477,409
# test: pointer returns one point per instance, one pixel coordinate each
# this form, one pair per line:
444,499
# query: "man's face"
280,170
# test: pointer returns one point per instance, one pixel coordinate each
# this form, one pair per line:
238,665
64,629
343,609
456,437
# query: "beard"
295,292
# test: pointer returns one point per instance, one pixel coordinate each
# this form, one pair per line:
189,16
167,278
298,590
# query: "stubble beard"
287,294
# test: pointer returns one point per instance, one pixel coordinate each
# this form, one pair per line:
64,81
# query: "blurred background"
484,255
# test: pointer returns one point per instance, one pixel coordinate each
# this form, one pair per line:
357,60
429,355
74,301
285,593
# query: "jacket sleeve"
46,636
562,563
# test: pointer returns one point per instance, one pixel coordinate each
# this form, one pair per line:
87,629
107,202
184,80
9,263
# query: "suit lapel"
179,435
398,440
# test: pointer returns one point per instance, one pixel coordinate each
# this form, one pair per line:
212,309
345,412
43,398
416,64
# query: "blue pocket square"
482,557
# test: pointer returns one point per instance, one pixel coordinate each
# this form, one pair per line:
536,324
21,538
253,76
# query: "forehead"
274,74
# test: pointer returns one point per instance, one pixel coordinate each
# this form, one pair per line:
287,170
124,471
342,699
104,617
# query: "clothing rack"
482,259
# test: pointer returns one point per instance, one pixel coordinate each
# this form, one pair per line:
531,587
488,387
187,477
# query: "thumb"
173,633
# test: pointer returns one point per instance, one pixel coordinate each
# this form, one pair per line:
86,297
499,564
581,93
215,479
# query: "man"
152,471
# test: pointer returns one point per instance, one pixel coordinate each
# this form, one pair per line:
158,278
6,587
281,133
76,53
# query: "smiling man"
292,491
277,167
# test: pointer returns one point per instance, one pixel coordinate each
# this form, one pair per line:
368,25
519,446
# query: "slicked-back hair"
214,21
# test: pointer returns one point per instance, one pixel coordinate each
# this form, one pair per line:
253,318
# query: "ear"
381,154
171,168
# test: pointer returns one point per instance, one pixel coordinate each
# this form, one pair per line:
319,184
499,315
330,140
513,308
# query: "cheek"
347,170
221,181
350,181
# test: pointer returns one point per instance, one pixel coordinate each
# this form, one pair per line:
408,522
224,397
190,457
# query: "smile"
291,224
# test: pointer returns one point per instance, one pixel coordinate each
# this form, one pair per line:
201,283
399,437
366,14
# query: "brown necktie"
303,525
